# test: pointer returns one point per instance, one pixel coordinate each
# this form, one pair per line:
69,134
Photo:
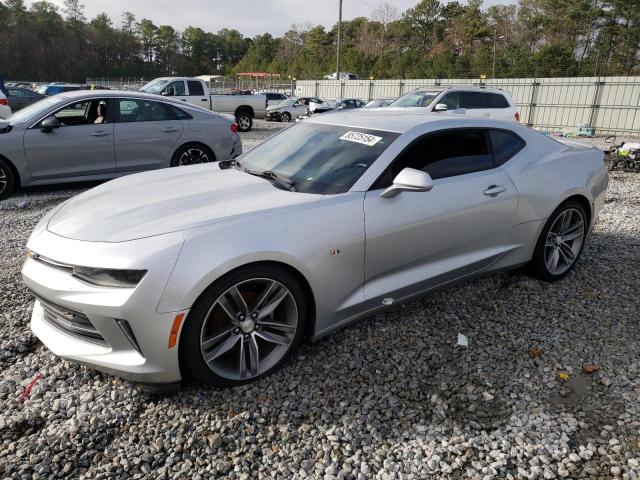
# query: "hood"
169,200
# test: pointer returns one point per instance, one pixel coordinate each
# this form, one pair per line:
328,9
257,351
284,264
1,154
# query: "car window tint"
178,114
84,112
137,110
452,100
195,88
495,100
15,92
472,100
443,155
505,145
176,89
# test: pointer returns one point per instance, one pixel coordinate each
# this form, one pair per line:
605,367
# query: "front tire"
560,243
244,326
7,180
286,117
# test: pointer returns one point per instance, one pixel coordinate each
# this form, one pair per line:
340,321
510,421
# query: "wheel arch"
584,203
302,280
245,108
194,142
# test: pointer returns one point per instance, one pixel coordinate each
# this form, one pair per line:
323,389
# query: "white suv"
476,101
5,110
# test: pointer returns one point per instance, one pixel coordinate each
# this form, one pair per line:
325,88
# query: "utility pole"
495,38
339,39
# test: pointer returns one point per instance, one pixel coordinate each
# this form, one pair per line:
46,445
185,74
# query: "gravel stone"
390,397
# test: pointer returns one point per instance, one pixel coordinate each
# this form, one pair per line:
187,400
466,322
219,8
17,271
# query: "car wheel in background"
285,117
192,154
7,180
560,242
244,120
243,327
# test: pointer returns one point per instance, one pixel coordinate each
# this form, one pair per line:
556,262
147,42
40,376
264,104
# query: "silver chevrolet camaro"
218,271
97,135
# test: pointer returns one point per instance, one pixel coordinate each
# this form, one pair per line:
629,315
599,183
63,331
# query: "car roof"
474,88
388,119
81,94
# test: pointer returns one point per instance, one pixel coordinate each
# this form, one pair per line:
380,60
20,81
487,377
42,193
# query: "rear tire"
244,119
192,154
233,325
560,243
7,180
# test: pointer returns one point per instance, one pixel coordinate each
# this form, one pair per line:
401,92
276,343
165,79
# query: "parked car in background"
97,135
59,87
22,97
294,107
217,274
273,98
245,107
348,103
5,109
343,76
470,100
380,102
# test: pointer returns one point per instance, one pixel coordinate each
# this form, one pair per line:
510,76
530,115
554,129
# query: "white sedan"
218,272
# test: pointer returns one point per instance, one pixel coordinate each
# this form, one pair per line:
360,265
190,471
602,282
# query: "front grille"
71,322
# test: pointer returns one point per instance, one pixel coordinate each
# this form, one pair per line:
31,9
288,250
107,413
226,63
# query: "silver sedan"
218,273
98,135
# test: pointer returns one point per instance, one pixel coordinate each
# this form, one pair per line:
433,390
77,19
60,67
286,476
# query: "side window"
452,100
505,145
472,100
443,155
85,112
195,88
495,100
177,113
136,110
176,89
14,92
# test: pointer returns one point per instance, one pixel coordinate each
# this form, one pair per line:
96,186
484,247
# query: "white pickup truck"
196,92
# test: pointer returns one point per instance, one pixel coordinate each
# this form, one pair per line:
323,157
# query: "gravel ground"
390,397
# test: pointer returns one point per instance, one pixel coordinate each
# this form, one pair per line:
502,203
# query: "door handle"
169,129
100,134
183,99
495,190
204,100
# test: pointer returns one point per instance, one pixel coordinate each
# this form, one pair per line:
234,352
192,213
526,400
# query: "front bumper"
272,116
83,323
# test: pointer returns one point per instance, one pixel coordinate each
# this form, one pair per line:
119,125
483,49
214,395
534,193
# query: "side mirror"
409,180
49,124
440,107
166,93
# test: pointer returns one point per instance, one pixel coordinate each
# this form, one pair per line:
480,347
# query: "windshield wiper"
270,175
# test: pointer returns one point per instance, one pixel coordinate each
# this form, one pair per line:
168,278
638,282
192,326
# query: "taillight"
517,116
4,101
234,127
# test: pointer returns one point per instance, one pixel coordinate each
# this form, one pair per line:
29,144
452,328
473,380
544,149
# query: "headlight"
107,277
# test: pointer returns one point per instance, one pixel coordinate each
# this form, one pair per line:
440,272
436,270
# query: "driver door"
418,240
78,148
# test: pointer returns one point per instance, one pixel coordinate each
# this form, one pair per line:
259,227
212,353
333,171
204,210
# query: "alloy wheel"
3,180
244,122
193,156
564,241
249,329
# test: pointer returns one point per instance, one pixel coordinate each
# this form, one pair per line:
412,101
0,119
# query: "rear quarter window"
505,145
495,100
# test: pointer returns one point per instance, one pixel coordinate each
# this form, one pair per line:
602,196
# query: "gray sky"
250,17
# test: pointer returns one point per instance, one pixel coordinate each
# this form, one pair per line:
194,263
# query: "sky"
250,17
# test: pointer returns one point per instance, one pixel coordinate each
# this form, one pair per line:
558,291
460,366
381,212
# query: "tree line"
433,39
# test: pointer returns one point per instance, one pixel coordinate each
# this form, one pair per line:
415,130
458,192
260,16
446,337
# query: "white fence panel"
610,104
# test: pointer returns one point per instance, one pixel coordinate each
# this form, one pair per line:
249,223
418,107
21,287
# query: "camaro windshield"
417,98
34,110
154,86
318,158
